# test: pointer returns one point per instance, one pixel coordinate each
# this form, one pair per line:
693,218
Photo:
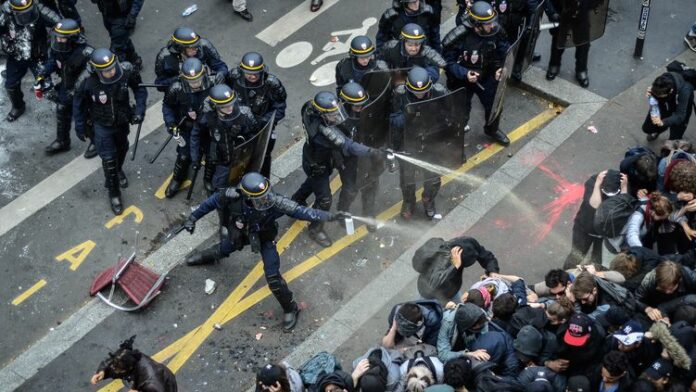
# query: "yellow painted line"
160,191
184,347
29,292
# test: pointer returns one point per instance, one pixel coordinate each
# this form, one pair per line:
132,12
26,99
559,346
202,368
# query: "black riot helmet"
193,75
329,107
482,17
257,189
253,69
25,12
106,65
361,46
413,33
184,37
65,35
225,101
354,95
418,81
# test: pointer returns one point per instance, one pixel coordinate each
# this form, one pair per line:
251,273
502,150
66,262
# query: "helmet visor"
227,111
109,74
26,16
335,117
196,83
263,202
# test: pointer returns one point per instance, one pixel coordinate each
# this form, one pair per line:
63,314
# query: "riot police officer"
361,60
68,57
23,28
102,91
325,144
262,92
475,54
572,16
419,87
222,127
248,215
356,177
411,50
119,17
511,13
403,12
181,106
183,44
65,8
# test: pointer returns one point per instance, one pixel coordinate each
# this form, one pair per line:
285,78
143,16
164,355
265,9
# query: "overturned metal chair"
139,284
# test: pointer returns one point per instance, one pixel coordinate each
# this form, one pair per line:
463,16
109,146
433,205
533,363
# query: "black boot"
91,150
180,170
429,207
122,179
111,174
492,131
290,318
552,72
206,256
208,172
62,142
582,78
280,290
317,233
17,100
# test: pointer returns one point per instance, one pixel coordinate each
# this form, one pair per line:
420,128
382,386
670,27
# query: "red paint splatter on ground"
501,223
569,196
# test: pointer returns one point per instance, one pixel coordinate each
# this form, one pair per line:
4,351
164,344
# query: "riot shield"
249,155
576,30
434,130
503,82
525,52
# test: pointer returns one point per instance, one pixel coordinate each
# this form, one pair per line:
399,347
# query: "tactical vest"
511,13
114,8
257,99
478,53
109,104
70,66
24,42
223,137
183,103
315,153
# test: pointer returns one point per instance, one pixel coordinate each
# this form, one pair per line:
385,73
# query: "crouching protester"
248,215
412,323
278,377
440,265
377,370
138,371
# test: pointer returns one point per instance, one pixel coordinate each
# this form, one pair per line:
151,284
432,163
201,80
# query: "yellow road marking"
30,291
182,349
118,219
76,255
160,191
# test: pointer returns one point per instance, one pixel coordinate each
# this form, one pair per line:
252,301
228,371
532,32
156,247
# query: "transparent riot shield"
250,154
577,29
508,66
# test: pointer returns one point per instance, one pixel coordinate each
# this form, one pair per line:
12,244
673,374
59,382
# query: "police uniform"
64,8
108,105
264,97
408,173
221,136
119,18
325,144
396,17
181,107
68,62
23,27
248,216
467,51
169,59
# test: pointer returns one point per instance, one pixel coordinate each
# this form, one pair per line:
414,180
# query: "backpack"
489,382
612,215
638,150
320,364
428,253
420,357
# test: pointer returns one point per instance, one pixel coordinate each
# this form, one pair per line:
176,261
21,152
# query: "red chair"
139,283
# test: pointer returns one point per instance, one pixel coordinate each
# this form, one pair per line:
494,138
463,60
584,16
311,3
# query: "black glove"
338,215
554,18
219,78
137,119
378,153
190,224
81,136
130,22
196,165
172,129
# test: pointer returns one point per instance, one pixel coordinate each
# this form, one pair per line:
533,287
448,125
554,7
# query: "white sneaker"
690,42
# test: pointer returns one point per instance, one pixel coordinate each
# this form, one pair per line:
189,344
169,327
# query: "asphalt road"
67,242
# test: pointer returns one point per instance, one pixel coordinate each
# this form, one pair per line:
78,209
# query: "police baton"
169,139
137,137
193,180
152,85
176,230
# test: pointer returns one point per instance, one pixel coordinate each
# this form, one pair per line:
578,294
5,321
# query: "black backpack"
612,215
686,72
